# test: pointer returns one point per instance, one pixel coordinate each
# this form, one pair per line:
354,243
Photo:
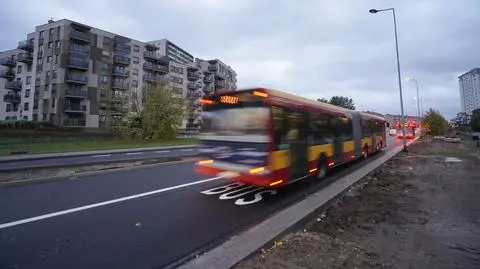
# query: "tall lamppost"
402,118
418,97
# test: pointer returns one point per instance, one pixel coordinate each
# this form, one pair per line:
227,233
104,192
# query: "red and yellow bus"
270,138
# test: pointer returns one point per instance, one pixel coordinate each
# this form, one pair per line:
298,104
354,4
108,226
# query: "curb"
31,157
246,243
87,163
92,173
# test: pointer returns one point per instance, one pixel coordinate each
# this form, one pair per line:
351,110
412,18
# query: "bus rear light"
260,94
204,162
313,170
331,164
276,183
257,170
205,101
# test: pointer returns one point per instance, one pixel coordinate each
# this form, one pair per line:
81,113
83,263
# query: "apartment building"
173,52
75,75
469,84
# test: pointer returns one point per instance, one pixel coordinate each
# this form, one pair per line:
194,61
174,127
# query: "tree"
475,121
435,123
322,100
158,115
342,101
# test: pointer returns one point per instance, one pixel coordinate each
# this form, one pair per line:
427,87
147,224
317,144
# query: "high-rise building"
75,75
469,84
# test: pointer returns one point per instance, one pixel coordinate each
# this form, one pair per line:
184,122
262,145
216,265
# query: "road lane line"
82,208
162,151
102,155
187,149
134,153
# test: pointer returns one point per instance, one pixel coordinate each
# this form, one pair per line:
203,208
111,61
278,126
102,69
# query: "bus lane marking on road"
246,194
104,203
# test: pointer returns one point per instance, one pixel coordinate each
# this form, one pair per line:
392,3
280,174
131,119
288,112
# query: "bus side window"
321,128
280,125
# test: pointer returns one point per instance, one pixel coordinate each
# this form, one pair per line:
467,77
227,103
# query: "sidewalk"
83,153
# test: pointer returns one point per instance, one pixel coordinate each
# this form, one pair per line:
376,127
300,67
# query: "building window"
136,48
25,117
40,47
136,60
8,108
41,34
51,31
27,93
26,106
29,80
103,92
104,79
44,117
49,59
50,45
104,65
53,102
56,59
19,69
29,68
35,117
57,44
39,61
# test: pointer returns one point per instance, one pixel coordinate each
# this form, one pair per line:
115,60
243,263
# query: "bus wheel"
322,169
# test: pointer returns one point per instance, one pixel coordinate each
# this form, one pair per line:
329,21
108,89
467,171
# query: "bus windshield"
247,124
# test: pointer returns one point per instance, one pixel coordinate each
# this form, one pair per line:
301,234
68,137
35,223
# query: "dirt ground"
419,210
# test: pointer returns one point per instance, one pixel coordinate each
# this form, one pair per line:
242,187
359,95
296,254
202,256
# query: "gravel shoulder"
421,209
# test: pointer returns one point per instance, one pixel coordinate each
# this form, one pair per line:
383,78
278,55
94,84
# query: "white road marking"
81,208
134,153
102,155
187,149
162,151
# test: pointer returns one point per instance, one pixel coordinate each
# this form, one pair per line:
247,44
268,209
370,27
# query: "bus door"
338,142
297,140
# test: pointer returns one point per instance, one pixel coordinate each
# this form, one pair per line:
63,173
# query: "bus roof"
310,102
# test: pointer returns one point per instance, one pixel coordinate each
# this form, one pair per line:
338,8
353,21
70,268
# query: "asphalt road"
146,218
96,158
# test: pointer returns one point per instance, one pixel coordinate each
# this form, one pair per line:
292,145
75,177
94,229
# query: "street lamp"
373,11
418,97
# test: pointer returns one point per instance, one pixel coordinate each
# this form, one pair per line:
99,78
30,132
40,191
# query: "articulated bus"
270,138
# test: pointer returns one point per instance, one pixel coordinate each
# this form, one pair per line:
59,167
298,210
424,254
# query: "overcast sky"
312,48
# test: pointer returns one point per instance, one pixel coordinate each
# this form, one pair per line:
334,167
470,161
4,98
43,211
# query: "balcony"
208,88
149,66
192,86
119,73
80,36
208,79
75,108
151,55
13,85
193,76
118,110
80,50
120,85
161,68
150,77
25,45
122,47
212,68
220,84
8,74
25,58
11,98
118,99
121,60
76,93
78,64
77,79
74,123
8,61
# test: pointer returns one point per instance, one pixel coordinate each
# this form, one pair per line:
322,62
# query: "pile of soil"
421,209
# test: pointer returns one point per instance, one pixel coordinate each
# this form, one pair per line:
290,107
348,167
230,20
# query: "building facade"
173,52
469,84
74,75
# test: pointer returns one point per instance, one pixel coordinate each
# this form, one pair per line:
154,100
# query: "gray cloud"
313,48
